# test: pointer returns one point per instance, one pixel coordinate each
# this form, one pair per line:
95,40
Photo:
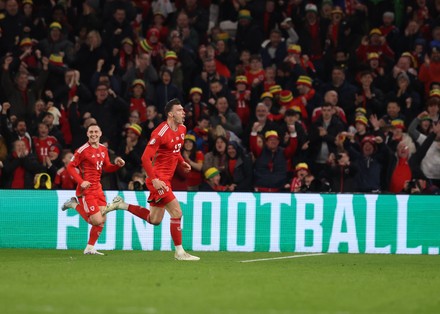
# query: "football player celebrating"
160,159
86,168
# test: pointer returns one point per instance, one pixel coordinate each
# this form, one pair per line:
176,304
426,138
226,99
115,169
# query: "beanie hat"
138,82
302,166
244,14
362,119
170,55
373,56
195,90
145,46
241,79
190,137
55,25
286,97
398,124
211,172
270,134
275,89
304,80
266,95
294,49
136,128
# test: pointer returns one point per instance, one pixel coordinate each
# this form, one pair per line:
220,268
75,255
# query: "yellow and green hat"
170,55
190,137
241,79
211,173
398,124
304,80
286,97
244,14
362,119
275,89
145,46
434,93
136,128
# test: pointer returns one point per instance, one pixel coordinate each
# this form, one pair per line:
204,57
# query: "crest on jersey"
182,136
153,141
102,154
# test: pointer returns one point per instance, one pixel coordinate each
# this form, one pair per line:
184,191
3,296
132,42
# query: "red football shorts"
91,202
159,198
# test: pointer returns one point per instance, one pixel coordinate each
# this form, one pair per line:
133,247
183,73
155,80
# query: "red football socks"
140,212
176,231
94,234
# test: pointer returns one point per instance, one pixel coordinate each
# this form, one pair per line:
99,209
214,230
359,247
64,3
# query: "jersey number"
99,165
177,148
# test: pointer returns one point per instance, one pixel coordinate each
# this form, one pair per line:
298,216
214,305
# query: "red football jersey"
42,146
162,153
90,161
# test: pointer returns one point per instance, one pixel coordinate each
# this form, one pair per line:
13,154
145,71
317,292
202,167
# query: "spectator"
11,25
322,138
275,51
226,117
340,173
63,180
271,161
131,152
172,63
20,167
88,55
212,181
22,107
217,158
301,171
195,158
166,90
249,35
345,90
399,168
110,111
240,168
57,44
138,99
430,70
195,108
370,162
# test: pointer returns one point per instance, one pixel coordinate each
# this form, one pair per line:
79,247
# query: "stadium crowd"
289,95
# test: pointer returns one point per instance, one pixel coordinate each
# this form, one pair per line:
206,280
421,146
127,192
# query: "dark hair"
169,106
93,124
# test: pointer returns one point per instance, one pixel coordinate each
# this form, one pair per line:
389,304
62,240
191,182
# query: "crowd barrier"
246,222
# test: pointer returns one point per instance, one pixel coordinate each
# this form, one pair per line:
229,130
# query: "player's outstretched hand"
186,167
119,162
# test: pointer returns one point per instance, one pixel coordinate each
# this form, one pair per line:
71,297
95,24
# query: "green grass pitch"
64,282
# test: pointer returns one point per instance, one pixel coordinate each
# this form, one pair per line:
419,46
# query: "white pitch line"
283,257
